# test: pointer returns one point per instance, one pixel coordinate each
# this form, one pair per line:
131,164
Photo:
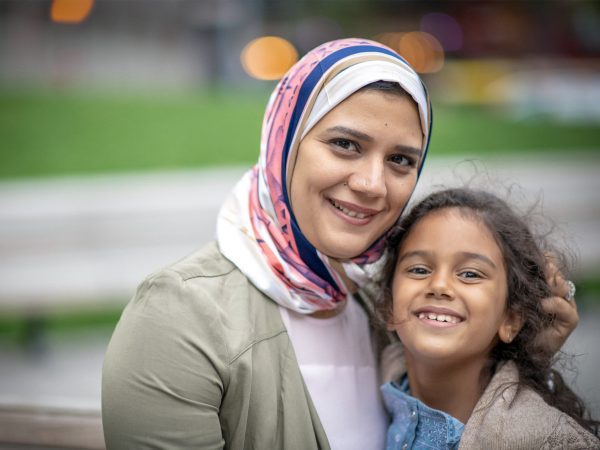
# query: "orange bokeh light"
422,50
268,57
70,11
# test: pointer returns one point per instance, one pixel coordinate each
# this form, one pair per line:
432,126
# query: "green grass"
23,329
54,133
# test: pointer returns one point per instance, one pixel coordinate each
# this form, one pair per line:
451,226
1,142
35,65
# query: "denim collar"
414,424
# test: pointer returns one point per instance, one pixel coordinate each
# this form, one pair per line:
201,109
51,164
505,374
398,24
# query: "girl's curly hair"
525,262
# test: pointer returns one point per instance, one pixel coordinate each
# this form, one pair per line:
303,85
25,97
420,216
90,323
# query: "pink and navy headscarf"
256,228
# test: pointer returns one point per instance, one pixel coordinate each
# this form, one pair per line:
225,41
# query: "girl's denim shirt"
416,425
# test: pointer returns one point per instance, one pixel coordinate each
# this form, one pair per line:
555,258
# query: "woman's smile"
355,171
354,214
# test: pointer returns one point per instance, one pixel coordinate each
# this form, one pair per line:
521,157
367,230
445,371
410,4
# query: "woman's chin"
344,249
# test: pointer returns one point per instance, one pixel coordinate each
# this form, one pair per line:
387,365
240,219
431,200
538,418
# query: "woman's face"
449,291
355,171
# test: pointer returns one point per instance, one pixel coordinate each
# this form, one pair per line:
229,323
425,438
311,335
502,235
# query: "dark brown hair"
525,263
386,87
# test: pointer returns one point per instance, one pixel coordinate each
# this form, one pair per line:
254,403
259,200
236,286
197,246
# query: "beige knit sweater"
507,417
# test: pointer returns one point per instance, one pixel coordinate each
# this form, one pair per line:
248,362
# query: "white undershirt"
338,364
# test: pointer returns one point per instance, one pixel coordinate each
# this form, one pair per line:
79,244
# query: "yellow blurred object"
422,50
477,81
268,57
70,11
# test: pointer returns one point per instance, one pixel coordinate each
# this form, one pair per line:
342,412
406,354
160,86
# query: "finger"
553,274
561,289
559,285
564,313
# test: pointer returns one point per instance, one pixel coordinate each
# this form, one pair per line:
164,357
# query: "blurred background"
123,125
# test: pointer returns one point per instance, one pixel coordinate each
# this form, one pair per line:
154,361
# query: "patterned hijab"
256,228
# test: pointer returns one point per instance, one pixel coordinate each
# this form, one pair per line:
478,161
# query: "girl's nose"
440,286
369,179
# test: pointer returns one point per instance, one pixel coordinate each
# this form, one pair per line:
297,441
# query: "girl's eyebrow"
465,255
367,138
421,253
479,257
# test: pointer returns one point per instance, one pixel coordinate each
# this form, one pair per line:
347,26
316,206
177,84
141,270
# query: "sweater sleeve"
569,435
165,369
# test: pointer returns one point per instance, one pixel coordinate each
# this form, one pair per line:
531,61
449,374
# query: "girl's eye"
418,270
470,274
403,160
344,145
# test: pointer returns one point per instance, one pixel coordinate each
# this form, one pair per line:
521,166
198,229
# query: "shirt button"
413,414
405,446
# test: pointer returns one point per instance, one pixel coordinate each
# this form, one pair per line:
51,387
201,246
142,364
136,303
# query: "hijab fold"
256,228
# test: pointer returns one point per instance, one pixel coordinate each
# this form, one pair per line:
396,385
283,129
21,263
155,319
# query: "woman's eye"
345,145
403,161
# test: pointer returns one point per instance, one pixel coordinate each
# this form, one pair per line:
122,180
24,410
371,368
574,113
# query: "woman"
262,339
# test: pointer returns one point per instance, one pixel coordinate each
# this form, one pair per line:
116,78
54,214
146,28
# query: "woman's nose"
369,179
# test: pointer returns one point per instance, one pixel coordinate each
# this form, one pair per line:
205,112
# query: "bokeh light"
422,50
445,28
70,11
268,57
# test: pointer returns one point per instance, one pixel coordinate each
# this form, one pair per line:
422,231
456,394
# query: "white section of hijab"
353,78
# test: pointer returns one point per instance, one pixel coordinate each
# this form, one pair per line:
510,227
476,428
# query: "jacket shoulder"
509,416
206,296
207,262
568,434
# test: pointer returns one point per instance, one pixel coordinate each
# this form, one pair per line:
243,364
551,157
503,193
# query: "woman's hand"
561,309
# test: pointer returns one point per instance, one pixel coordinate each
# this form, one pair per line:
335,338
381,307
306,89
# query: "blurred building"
184,41
535,57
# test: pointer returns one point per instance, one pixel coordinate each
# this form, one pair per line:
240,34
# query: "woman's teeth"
439,317
347,211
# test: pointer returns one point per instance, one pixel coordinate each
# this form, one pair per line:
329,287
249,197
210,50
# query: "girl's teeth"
438,317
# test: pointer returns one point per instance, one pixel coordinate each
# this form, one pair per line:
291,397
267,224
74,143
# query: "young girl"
462,290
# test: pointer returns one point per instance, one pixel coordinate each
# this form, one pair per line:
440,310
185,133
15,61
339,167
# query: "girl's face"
355,171
449,291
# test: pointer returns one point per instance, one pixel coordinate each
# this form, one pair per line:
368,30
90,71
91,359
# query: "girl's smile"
438,317
449,289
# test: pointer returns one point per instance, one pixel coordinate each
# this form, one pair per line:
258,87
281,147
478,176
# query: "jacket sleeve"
165,369
569,435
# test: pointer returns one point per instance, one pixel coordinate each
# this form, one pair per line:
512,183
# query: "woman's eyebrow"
412,150
354,133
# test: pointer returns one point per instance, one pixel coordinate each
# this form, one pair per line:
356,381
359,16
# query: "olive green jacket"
201,359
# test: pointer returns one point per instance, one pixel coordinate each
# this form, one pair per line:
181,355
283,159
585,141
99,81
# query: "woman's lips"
355,214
